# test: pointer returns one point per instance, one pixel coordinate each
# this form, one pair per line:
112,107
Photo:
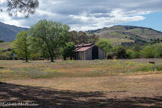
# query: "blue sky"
92,14
152,20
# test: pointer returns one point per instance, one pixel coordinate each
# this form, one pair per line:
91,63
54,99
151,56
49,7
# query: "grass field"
98,83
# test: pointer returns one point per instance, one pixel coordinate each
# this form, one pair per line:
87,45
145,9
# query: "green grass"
117,41
150,68
117,34
70,69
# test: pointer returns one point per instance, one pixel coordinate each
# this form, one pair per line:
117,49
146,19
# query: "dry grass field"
83,84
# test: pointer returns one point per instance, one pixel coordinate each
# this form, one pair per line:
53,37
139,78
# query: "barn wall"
101,54
88,54
81,56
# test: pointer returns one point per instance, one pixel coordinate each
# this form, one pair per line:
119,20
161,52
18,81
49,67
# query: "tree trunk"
52,60
26,59
64,58
71,58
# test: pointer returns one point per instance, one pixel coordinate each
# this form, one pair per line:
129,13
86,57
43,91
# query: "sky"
93,14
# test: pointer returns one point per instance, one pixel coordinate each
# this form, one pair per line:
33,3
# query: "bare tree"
26,7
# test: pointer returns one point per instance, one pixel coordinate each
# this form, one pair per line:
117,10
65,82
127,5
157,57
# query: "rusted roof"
83,47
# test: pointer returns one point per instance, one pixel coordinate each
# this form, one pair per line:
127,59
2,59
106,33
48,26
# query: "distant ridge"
8,32
130,34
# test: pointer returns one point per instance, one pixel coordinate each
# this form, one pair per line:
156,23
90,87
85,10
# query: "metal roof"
83,47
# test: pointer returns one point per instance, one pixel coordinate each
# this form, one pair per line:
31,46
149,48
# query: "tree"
158,48
21,45
26,7
93,38
105,44
152,51
82,37
50,37
68,50
148,52
121,52
131,54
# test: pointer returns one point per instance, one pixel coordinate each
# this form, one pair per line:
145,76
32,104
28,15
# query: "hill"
5,45
129,34
8,32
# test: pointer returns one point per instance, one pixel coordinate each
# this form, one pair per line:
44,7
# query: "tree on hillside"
26,7
93,38
105,44
21,45
82,37
68,50
50,37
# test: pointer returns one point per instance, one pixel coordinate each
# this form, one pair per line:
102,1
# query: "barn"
89,52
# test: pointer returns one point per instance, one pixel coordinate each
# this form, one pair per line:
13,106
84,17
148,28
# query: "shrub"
131,54
6,55
158,50
121,52
148,52
152,51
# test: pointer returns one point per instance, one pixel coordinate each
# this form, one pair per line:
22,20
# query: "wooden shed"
89,52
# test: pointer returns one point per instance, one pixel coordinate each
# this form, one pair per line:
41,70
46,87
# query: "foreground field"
108,84
72,69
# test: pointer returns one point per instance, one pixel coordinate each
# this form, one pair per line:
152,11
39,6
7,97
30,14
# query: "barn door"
95,52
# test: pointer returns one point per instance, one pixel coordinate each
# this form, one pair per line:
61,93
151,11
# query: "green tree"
21,45
148,51
158,48
132,54
93,38
121,52
68,50
50,37
82,37
105,44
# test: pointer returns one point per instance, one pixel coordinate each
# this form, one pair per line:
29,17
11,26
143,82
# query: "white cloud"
88,14
117,16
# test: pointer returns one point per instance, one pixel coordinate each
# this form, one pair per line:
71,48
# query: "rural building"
89,52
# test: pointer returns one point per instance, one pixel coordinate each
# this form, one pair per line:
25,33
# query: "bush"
121,52
148,52
6,55
35,56
158,50
152,51
111,55
131,54
68,50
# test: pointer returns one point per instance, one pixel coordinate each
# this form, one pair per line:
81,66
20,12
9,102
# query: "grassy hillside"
6,50
5,45
129,34
8,32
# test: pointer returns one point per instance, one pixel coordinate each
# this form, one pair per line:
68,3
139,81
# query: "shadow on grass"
70,99
1,67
